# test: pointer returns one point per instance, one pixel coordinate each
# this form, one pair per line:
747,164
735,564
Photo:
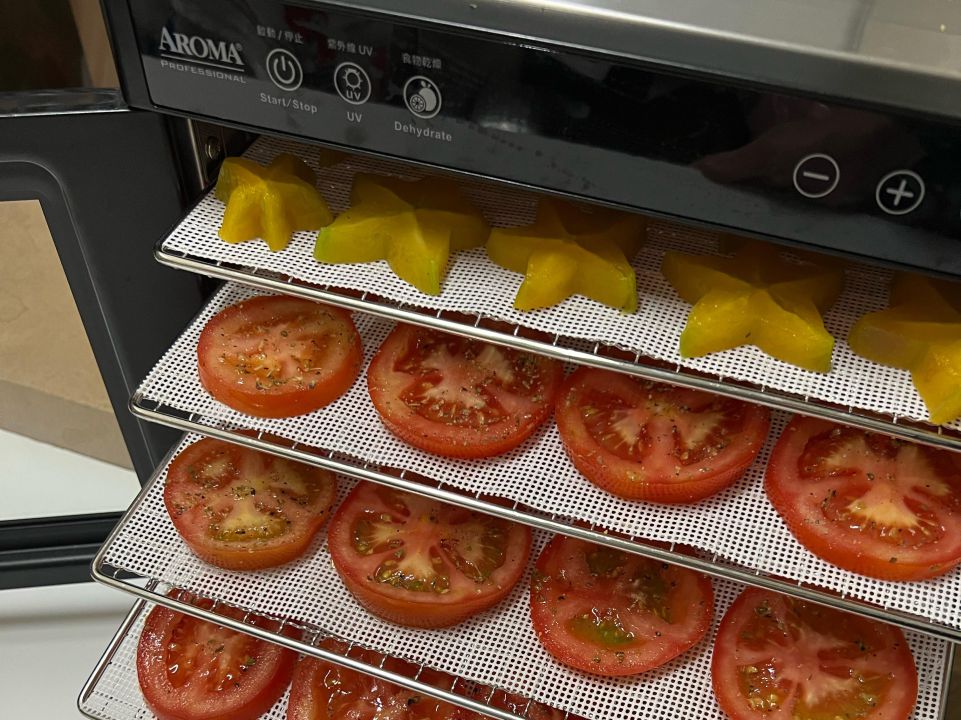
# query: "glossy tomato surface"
243,510
422,563
612,613
190,669
324,691
647,441
779,658
868,503
278,356
458,397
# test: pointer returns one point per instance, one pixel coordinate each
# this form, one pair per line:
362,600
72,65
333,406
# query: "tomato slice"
190,669
324,691
646,441
459,397
780,658
278,356
868,503
244,510
422,563
613,613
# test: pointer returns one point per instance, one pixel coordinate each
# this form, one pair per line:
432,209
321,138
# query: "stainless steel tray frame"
140,606
151,410
155,592
563,348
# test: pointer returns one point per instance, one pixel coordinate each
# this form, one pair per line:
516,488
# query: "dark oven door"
87,185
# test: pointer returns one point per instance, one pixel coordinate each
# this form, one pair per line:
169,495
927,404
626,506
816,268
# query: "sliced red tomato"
459,397
646,441
278,356
868,503
779,658
324,691
418,562
613,613
243,510
190,669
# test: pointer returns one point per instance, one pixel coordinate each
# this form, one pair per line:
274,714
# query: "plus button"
900,192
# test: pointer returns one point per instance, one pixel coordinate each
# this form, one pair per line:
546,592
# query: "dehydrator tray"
737,533
497,648
112,692
477,300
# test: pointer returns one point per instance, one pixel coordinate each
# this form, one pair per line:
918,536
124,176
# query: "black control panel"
796,169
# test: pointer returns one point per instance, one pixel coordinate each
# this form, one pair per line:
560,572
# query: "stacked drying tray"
735,535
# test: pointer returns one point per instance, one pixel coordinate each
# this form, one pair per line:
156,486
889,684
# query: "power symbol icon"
283,69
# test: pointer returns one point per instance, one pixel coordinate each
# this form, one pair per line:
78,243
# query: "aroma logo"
200,48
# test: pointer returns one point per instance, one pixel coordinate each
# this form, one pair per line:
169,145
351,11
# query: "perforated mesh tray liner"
475,285
496,648
738,524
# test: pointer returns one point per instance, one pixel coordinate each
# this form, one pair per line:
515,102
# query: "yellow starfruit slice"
270,202
414,226
570,251
756,298
920,331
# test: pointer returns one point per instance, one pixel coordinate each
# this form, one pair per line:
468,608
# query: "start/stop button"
283,69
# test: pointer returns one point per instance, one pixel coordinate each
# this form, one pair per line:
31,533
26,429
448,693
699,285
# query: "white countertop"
50,639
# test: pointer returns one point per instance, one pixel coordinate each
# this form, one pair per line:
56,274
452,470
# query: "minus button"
816,175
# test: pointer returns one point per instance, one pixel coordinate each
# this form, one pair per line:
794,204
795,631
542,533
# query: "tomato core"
887,484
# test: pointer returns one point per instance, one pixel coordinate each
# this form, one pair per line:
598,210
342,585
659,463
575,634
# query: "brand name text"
202,48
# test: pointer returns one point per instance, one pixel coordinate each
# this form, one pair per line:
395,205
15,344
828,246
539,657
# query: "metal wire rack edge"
140,605
148,593
306,648
154,411
107,657
935,436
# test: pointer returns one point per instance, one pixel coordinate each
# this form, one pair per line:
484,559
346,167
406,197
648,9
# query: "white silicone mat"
738,524
497,648
476,286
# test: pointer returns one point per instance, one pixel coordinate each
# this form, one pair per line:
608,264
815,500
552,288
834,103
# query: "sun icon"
352,78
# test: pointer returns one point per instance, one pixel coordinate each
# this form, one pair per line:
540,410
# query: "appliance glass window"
62,448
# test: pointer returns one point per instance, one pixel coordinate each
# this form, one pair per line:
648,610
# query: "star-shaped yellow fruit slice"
756,298
921,332
570,251
414,226
270,202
